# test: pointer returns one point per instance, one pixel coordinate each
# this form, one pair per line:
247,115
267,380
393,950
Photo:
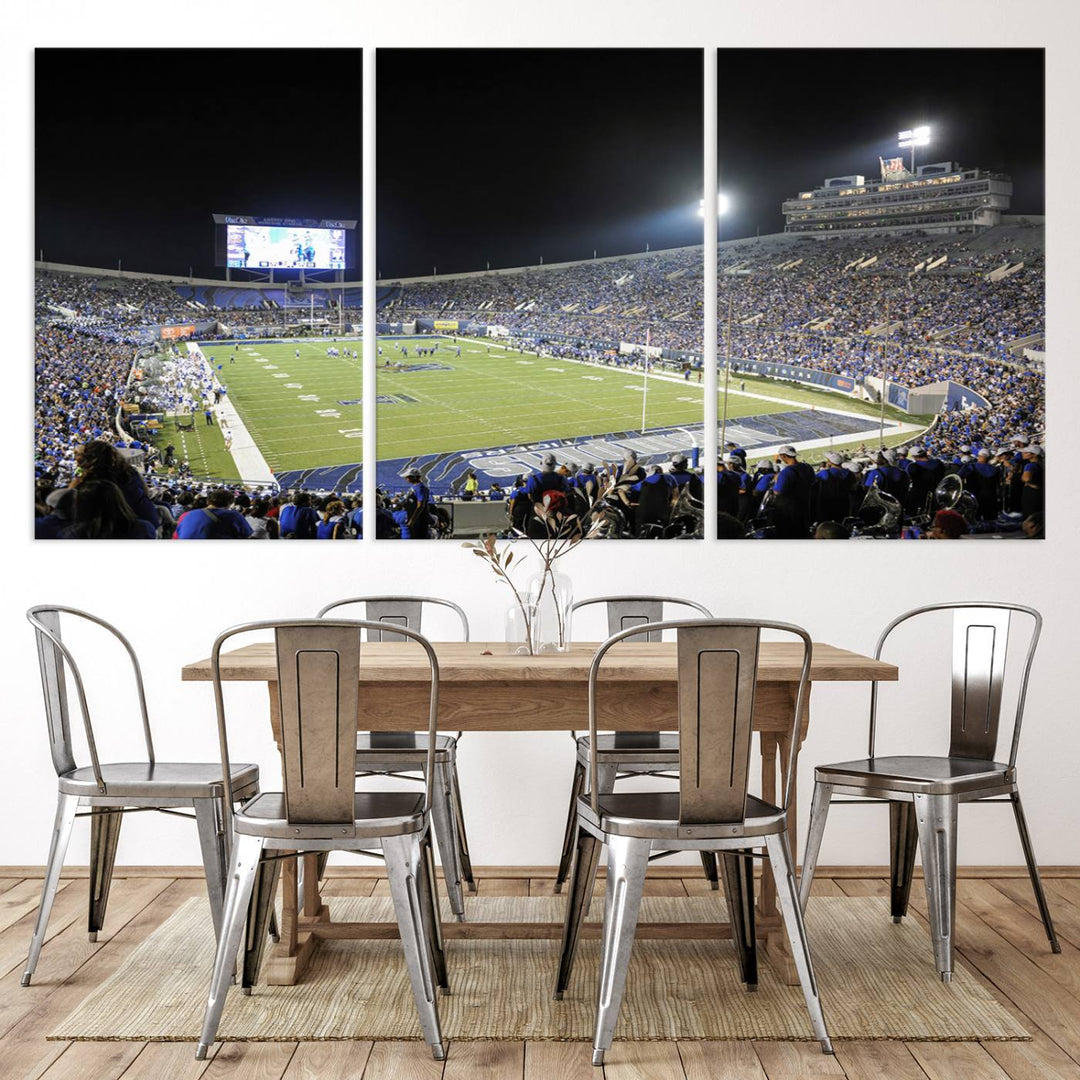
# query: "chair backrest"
717,677
980,640
319,694
390,611
624,612
318,674
54,657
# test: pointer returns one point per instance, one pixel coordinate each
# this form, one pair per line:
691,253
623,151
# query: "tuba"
950,494
880,514
688,513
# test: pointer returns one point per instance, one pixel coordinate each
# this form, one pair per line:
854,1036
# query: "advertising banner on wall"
844,383
171,333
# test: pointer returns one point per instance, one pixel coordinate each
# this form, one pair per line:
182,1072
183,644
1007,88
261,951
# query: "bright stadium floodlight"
723,204
919,136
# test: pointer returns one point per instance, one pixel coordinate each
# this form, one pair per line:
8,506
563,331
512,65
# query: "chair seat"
633,748
655,815
401,745
163,779
376,813
922,775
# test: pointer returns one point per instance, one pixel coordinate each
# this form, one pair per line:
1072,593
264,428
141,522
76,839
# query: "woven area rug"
877,981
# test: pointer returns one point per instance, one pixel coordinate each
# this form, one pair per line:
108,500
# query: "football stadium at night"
881,346
557,361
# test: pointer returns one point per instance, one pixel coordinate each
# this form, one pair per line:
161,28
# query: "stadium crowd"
886,492
108,499
783,283
112,305
801,303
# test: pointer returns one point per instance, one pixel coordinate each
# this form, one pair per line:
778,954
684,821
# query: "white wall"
173,599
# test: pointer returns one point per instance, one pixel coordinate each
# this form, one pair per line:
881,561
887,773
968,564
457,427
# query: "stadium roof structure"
941,197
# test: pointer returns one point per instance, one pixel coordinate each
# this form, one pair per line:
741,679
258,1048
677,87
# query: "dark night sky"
171,136
788,118
500,155
507,155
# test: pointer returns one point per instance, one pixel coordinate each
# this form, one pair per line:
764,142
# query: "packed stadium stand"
960,309
964,310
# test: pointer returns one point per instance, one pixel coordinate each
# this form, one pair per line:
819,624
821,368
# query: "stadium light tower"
919,136
723,204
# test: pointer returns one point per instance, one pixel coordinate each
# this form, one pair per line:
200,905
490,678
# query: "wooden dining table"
485,687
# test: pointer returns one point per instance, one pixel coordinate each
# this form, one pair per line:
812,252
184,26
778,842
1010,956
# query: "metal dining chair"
318,668
402,754
711,811
923,792
109,790
627,753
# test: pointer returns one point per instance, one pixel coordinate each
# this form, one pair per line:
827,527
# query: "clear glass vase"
521,626
552,594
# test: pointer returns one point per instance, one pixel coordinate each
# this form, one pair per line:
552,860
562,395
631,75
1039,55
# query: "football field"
302,408
495,409
492,395
484,405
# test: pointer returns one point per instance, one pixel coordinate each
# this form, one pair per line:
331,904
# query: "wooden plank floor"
998,935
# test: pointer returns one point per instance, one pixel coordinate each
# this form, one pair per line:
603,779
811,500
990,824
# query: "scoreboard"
258,243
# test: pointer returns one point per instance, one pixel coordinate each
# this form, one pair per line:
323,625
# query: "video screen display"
281,247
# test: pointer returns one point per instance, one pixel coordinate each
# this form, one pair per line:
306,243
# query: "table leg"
289,907
312,900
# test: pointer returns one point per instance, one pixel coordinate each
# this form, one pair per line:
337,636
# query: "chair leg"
566,859
403,869
1033,871
214,855
815,830
903,841
104,836
739,893
582,881
628,860
464,858
606,775
271,922
428,890
442,821
712,873
244,863
787,897
936,818
66,806
259,914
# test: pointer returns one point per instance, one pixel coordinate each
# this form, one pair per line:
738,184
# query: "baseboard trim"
669,871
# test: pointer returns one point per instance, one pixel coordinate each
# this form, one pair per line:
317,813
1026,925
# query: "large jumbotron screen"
279,247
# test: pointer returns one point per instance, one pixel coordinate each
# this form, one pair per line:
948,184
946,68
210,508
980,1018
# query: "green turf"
203,449
796,392
490,396
494,396
502,396
290,431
